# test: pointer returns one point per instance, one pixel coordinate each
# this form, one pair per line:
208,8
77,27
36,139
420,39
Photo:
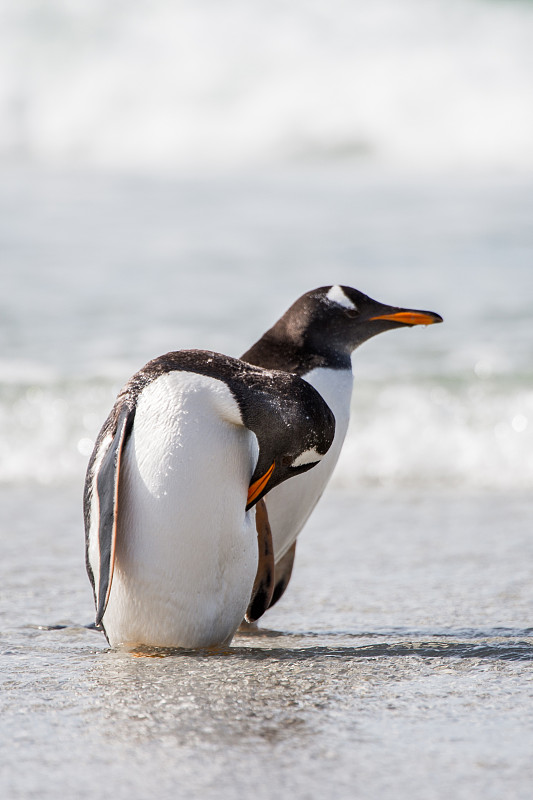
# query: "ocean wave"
196,85
436,435
47,431
427,435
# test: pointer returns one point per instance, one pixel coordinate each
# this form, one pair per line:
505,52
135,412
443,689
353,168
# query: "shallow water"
399,664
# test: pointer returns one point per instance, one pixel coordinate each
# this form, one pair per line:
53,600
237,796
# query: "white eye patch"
337,295
307,457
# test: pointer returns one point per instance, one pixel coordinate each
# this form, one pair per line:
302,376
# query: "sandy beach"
394,668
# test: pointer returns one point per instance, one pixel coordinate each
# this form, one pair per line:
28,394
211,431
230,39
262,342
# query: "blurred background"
176,174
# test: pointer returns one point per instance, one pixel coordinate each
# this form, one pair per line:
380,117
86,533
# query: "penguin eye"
286,461
351,312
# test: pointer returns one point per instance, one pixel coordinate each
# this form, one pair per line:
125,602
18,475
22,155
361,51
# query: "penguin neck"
282,348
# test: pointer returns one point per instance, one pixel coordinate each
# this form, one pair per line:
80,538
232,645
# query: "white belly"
290,504
186,553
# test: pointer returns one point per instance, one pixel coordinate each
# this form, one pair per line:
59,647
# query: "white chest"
290,504
186,548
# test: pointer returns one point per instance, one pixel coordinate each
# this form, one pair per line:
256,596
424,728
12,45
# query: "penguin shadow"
505,644
253,643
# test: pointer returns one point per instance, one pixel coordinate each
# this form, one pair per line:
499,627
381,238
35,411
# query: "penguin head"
323,328
293,435
340,318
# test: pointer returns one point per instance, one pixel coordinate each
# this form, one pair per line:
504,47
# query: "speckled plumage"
170,529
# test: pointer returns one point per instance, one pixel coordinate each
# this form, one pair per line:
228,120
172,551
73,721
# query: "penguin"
315,339
177,551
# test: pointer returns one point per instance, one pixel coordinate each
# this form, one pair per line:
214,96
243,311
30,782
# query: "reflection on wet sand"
276,687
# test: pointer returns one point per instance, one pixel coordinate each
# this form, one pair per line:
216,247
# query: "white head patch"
307,457
337,295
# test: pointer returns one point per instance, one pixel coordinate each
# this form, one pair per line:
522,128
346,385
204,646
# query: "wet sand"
399,664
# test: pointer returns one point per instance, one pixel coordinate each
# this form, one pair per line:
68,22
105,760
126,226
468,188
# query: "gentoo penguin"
192,444
315,339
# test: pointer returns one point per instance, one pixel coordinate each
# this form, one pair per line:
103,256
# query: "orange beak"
411,317
257,486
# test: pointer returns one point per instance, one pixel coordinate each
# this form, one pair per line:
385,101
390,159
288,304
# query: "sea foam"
422,435
196,84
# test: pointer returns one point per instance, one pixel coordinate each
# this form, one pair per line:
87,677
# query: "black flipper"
107,483
283,572
264,579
